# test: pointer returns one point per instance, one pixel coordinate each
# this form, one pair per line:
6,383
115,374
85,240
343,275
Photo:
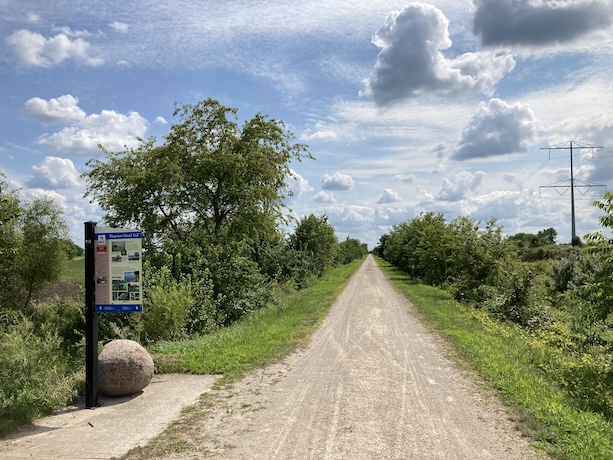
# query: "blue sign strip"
106,308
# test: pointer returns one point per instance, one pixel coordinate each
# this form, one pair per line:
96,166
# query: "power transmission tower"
573,182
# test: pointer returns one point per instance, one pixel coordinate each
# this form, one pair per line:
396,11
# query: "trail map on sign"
118,270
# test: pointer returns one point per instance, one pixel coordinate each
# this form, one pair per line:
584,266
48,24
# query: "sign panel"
118,269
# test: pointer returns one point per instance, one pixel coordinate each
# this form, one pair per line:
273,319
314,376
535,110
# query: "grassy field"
506,357
74,270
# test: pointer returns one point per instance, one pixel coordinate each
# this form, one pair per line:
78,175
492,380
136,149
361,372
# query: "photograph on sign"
118,266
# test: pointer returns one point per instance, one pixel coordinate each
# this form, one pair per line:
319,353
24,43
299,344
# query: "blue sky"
407,107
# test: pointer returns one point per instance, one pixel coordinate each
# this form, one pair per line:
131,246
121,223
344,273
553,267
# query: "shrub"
33,374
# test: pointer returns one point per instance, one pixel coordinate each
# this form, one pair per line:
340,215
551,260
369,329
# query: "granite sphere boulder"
124,368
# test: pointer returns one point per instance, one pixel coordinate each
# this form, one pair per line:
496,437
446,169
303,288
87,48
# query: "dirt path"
373,384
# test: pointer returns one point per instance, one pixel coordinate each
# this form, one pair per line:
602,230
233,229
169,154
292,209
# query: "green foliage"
562,397
260,338
33,372
166,306
315,236
351,249
67,319
528,240
34,255
458,254
9,212
208,176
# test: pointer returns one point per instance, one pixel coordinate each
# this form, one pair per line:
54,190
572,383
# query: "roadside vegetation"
217,266
534,318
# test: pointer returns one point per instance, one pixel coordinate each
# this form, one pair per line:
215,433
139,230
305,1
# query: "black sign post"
91,320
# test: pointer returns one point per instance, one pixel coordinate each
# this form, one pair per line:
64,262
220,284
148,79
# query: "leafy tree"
600,290
9,212
315,236
42,252
548,235
209,176
36,255
351,249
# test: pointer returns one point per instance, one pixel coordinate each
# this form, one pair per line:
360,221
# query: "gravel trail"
372,384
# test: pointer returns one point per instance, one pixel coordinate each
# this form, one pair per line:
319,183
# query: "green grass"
263,337
506,357
74,270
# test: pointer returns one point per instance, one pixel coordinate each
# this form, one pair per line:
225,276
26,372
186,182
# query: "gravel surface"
372,384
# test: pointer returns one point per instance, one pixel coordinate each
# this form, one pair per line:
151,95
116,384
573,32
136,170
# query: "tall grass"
262,337
512,362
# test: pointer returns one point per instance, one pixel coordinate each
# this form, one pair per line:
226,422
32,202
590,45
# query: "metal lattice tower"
573,182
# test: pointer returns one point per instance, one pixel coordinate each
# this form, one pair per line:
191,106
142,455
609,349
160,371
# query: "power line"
573,185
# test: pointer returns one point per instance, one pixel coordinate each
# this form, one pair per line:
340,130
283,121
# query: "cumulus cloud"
298,184
337,181
55,173
497,128
324,197
55,110
161,120
529,22
113,130
388,196
32,49
464,182
411,63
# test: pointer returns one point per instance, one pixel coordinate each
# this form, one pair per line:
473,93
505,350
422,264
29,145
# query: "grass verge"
502,354
262,337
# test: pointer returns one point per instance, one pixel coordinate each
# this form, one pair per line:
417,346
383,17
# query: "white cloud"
411,63
32,49
161,120
540,23
498,128
337,181
119,26
388,196
408,178
113,130
298,184
32,18
464,182
324,197
62,109
55,173
320,136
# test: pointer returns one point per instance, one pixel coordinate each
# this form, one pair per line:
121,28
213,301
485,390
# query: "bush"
67,318
33,374
166,307
523,296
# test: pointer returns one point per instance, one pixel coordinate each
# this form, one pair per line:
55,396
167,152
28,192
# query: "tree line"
561,294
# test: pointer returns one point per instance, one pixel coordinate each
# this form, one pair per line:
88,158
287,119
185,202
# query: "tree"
9,212
315,236
209,177
549,235
351,249
37,254
600,291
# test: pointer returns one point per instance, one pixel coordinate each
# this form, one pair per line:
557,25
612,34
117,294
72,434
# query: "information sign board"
118,270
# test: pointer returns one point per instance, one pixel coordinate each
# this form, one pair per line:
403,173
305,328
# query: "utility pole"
573,185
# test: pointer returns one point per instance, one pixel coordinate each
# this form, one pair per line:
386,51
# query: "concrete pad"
112,429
